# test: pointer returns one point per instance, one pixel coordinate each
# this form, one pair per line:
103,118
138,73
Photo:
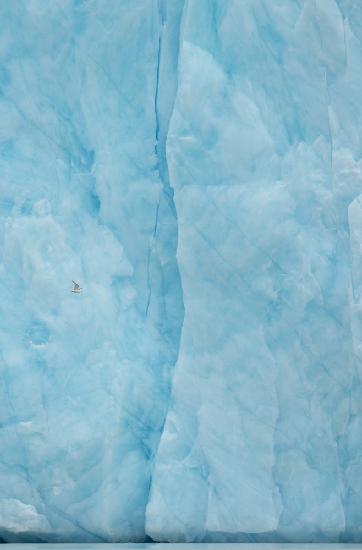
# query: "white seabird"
76,288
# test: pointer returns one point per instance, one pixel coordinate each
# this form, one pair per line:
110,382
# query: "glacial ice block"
196,166
84,379
262,440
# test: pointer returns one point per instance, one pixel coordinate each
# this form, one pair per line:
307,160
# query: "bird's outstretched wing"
76,285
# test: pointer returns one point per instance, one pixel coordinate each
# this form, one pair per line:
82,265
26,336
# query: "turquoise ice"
196,166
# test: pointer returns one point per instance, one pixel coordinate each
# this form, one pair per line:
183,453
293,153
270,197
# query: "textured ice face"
195,166
85,379
264,431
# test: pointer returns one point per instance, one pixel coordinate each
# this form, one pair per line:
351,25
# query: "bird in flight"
76,288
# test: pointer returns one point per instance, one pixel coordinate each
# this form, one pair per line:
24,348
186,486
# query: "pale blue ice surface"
196,166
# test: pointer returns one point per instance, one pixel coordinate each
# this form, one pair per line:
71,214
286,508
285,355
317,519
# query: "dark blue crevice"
163,271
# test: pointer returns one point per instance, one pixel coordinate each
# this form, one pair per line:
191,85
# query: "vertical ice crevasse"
168,17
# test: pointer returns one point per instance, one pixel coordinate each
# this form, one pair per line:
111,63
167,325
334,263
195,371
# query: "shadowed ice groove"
166,230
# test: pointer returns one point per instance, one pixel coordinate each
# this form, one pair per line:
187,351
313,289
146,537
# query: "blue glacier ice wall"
85,380
197,166
263,435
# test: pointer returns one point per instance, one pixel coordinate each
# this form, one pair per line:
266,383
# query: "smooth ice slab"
263,435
